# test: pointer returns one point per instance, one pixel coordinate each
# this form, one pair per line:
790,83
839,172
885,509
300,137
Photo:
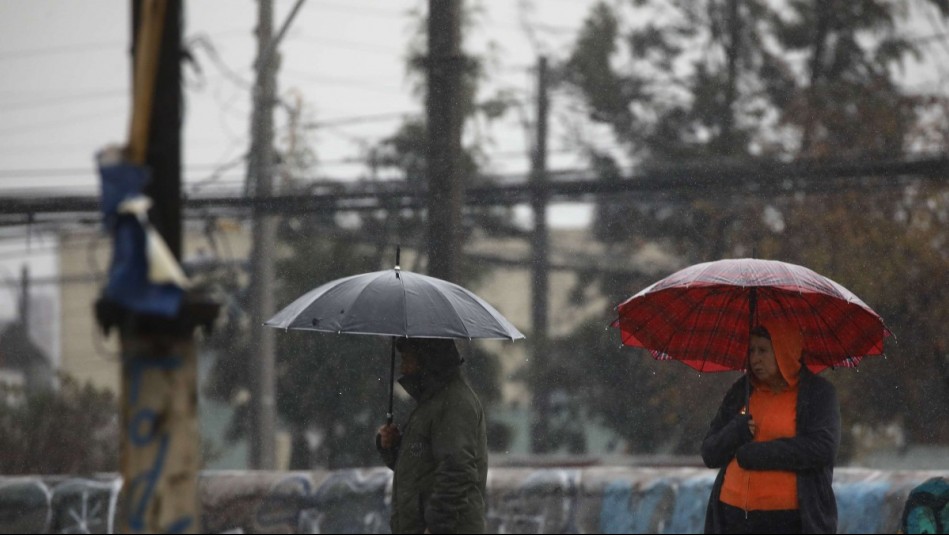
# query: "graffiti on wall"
35,505
348,501
537,501
520,500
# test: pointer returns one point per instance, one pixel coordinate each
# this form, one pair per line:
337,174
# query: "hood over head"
787,340
438,359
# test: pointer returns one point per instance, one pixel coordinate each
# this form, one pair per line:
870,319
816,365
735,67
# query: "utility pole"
260,169
160,452
540,268
732,56
444,120
25,298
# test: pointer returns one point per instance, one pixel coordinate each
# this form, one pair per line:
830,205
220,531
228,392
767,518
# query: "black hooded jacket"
811,453
441,463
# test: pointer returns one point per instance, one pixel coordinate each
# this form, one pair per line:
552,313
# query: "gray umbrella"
395,303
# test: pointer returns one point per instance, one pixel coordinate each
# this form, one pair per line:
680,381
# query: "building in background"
90,356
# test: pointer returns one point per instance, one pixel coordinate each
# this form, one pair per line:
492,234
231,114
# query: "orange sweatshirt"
775,414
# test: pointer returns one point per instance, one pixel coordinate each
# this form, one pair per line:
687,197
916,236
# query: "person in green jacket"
440,459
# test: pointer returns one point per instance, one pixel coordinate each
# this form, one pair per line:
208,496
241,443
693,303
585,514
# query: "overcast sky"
65,71
64,83
64,90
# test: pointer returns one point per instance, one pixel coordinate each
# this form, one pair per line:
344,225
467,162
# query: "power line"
371,10
83,47
341,44
66,171
381,117
363,85
756,178
31,104
62,49
61,122
361,119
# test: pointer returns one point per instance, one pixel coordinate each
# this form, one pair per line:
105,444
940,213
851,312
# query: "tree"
891,251
723,81
331,389
72,430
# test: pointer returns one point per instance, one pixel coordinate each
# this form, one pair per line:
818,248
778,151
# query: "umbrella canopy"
702,315
393,302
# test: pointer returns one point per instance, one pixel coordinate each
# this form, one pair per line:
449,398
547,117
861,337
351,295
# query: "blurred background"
605,145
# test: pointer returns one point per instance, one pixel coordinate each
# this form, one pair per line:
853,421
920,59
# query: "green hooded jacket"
441,463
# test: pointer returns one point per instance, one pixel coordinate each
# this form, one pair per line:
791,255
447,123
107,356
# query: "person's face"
763,363
408,362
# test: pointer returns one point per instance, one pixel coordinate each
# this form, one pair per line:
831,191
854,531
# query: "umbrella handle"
391,382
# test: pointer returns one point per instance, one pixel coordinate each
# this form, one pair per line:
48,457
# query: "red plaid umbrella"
702,315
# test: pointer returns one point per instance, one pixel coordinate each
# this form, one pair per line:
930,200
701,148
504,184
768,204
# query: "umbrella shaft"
391,381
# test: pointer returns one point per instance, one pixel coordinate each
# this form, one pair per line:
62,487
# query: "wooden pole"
444,122
160,448
160,453
540,269
263,386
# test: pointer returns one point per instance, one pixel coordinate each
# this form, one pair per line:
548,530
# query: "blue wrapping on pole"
128,283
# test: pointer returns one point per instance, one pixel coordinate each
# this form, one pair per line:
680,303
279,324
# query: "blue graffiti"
348,501
859,508
688,515
137,366
615,513
626,510
662,505
142,433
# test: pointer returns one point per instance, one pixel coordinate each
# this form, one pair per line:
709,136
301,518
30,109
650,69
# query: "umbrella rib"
674,320
405,306
701,274
455,312
832,332
352,305
797,282
731,296
489,313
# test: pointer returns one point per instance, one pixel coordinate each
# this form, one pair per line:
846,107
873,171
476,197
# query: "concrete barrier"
520,500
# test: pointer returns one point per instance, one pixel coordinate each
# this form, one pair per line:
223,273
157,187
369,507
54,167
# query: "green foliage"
892,252
335,386
332,390
710,85
72,430
652,405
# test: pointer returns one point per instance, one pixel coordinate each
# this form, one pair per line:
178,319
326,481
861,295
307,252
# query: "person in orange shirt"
776,455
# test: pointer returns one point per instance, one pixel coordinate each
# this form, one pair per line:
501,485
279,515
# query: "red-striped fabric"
700,315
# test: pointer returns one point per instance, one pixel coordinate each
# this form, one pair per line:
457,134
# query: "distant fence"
521,500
